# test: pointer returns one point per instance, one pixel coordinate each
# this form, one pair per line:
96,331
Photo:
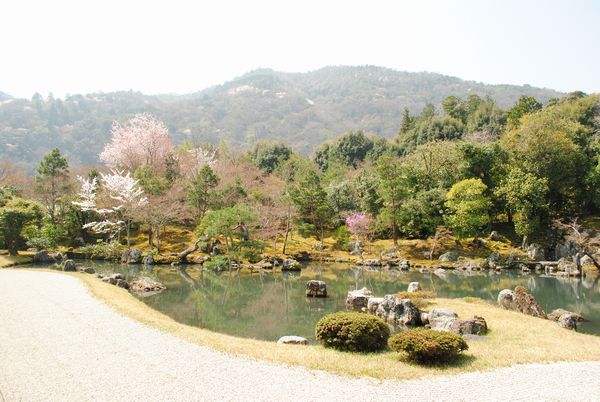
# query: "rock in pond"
506,298
292,340
357,300
536,252
289,264
69,266
87,270
133,256
42,257
145,285
122,283
316,289
399,312
414,287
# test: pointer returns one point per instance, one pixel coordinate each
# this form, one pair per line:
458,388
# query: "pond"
267,305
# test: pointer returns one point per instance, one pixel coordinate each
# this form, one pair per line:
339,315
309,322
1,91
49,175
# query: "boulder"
450,256
404,265
370,262
565,250
524,302
494,236
441,312
133,256
316,289
318,247
69,266
301,255
536,252
292,340
144,284
373,303
472,326
148,260
42,257
414,287
289,264
122,283
567,321
357,300
87,270
506,298
398,312
494,258
556,314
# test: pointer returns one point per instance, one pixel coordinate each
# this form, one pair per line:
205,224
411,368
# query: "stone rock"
399,312
318,247
414,287
69,266
565,250
370,262
133,256
494,258
357,300
148,260
109,279
586,261
122,283
316,289
404,265
292,340
525,303
506,298
42,257
144,284
263,264
536,252
441,312
424,318
88,270
356,248
472,326
289,264
301,255
373,303
567,321
450,256
117,276
494,236
556,314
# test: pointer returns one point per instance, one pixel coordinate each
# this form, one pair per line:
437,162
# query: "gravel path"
58,343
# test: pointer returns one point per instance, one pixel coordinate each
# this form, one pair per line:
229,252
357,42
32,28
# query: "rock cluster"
357,300
316,289
520,300
133,256
115,279
398,312
144,285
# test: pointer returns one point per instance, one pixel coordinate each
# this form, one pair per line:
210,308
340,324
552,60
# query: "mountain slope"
302,109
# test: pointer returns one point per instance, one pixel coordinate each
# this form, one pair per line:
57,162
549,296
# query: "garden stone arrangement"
522,301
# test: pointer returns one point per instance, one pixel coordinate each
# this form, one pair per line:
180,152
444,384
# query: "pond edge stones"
316,288
292,340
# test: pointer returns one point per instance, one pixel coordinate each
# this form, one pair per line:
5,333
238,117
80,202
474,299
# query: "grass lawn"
513,338
10,260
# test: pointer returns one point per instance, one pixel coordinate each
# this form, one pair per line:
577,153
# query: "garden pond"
270,304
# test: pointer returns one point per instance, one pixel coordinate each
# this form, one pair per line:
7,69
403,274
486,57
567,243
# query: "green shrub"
217,263
107,251
428,346
355,332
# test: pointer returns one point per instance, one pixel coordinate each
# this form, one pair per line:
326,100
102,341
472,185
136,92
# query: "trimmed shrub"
428,346
352,331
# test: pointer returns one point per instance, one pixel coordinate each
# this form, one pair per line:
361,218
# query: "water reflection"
267,305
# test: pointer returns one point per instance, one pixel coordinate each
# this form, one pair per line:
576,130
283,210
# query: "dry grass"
513,339
10,260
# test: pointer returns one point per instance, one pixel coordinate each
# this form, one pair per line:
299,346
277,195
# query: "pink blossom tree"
143,140
359,224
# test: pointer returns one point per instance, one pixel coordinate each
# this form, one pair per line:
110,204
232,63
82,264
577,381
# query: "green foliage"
217,263
53,164
250,250
150,182
269,155
353,332
342,238
428,346
526,198
52,182
365,184
226,222
468,207
46,237
393,189
342,197
349,149
525,105
312,202
421,213
200,194
16,215
102,250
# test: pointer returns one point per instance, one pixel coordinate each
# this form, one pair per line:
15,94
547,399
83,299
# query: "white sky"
180,47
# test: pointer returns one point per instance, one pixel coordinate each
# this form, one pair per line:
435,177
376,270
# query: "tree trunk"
395,233
128,233
183,255
150,235
228,253
13,249
287,230
158,239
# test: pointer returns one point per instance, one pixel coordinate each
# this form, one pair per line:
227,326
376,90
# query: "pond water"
268,305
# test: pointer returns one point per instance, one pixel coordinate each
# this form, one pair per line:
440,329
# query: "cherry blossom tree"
359,224
124,198
143,140
196,158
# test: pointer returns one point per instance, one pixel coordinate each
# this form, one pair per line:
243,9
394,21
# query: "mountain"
302,109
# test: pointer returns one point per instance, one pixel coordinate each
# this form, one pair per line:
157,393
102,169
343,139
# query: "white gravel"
58,343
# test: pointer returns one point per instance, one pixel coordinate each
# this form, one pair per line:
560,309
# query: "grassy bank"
14,260
513,339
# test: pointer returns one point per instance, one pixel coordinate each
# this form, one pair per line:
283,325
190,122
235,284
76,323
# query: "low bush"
351,331
217,263
428,346
106,251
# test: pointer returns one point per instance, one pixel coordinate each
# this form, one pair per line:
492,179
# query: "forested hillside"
301,109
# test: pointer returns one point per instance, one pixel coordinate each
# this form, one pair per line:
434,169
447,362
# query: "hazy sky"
179,47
